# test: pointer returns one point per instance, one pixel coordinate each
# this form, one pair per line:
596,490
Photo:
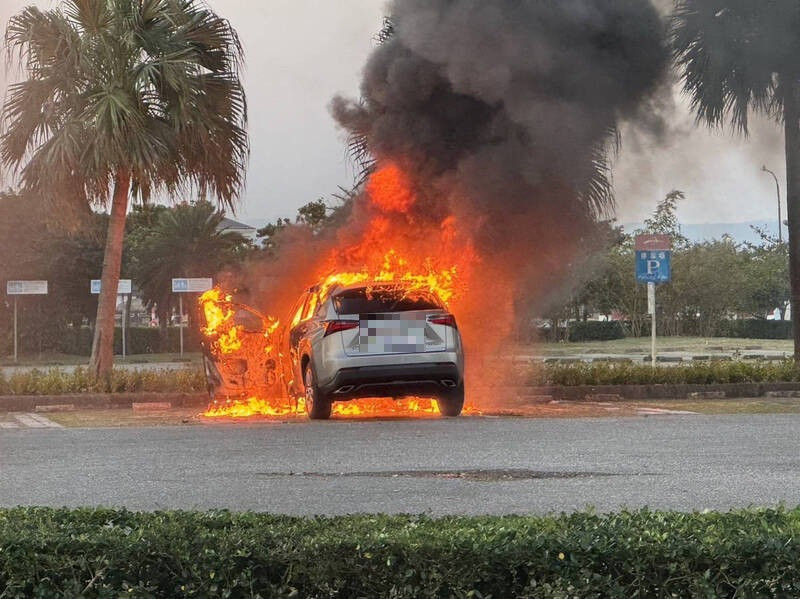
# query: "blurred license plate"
391,334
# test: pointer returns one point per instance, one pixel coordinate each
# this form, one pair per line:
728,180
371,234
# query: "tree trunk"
102,359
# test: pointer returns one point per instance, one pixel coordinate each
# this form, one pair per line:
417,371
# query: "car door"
292,341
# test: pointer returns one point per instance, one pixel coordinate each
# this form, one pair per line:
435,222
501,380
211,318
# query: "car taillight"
337,326
447,320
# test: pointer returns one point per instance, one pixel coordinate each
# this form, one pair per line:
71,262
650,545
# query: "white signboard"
191,285
26,288
124,287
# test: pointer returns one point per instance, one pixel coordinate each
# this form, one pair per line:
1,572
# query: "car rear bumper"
394,380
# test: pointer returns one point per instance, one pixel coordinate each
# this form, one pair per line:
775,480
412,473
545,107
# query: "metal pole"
124,318
651,292
180,323
15,328
778,190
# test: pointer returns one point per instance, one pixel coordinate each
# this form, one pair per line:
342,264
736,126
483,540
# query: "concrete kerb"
94,401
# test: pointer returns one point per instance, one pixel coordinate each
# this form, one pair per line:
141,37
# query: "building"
242,229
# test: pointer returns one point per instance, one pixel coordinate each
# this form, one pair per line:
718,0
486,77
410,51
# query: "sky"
300,53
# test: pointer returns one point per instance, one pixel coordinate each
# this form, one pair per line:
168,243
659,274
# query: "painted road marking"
660,411
35,420
9,425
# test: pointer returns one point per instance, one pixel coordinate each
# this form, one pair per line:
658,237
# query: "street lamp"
778,189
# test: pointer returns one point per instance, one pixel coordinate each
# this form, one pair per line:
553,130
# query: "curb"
44,403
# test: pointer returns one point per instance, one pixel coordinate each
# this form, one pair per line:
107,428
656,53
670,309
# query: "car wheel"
451,402
318,406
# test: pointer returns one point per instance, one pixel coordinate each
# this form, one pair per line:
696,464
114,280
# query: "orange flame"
392,248
218,312
390,190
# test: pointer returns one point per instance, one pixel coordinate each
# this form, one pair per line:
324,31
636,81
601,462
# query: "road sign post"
124,288
15,328
181,286
653,266
16,288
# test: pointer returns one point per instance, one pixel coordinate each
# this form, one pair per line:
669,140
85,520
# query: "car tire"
451,402
318,406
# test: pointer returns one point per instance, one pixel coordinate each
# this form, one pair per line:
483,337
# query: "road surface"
469,465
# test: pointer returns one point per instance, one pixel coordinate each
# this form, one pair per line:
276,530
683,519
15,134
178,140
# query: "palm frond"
730,53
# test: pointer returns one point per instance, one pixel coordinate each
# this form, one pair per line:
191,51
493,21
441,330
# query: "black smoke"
514,102
506,113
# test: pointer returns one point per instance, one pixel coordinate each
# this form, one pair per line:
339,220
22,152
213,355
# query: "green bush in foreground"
104,553
56,382
629,373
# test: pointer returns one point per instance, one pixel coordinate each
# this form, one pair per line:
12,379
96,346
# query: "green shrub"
594,330
629,373
104,553
754,329
56,382
140,340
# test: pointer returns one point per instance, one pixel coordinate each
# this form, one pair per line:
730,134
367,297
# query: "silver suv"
373,339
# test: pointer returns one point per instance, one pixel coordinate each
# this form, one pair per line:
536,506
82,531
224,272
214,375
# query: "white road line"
35,421
9,425
659,411
45,421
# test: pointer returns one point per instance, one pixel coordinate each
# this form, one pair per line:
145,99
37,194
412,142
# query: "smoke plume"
503,113
491,123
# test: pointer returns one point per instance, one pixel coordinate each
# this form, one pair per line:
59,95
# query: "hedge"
594,330
56,382
78,341
189,380
755,329
630,373
103,553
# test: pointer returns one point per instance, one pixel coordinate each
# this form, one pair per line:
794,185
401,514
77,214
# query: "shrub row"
140,340
55,382
629,373
608,330
78,341
755,329
593,330
190,380
103,553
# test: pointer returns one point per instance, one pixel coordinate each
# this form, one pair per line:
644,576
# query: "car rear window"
373,300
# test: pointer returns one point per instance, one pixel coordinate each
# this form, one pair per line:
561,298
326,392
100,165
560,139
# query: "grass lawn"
641,345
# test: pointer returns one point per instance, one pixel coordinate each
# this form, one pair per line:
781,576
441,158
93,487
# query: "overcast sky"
300,53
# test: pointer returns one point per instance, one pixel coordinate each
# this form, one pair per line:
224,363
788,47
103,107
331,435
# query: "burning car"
373,339
344,340
239,358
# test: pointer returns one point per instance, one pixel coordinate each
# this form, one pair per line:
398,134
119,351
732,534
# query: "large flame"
393,247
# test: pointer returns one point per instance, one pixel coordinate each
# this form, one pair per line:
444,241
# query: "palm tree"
737,56
124,97
185,241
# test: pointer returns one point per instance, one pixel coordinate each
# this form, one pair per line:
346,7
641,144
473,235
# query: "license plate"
391,334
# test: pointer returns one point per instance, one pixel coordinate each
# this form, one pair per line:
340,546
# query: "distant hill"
741,232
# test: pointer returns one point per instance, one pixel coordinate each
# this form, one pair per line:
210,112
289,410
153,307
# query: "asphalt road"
459,466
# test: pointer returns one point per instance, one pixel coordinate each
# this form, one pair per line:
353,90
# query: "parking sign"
653,258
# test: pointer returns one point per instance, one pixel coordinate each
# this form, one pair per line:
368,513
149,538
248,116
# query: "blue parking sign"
653,266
